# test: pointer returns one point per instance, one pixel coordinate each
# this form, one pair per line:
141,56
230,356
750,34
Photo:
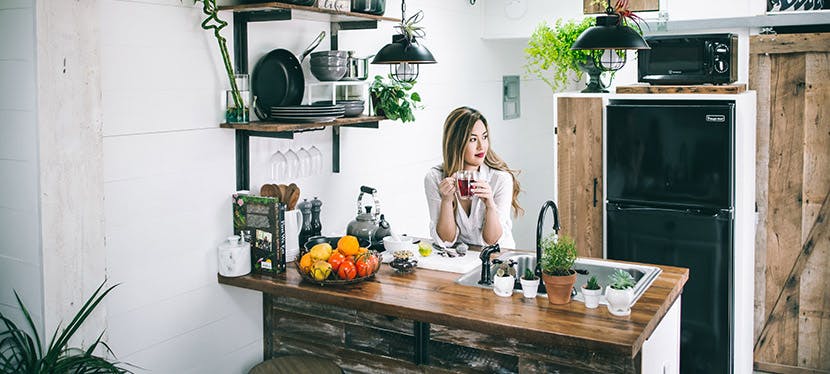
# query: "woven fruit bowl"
348,263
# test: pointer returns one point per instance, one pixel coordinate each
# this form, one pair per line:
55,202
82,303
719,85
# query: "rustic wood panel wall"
592,6
791,74
579,141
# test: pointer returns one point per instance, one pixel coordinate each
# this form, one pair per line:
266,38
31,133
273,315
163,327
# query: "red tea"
465,187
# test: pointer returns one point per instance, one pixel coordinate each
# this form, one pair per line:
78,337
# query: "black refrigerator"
670,191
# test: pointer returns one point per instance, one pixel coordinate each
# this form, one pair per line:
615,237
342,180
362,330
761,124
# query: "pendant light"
608,40
405,54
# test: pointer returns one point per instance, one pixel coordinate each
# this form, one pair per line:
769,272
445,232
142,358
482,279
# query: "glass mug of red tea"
465,179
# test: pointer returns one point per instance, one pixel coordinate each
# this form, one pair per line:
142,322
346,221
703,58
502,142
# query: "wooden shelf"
269,126
691,89
335,16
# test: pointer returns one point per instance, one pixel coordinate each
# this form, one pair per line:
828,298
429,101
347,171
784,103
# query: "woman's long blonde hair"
457,130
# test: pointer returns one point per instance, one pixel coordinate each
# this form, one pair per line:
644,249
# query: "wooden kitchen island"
425,322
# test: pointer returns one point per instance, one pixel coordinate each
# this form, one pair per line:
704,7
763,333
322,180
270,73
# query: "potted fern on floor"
558,258
21,352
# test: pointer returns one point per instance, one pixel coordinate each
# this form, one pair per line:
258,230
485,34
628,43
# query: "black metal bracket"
421,331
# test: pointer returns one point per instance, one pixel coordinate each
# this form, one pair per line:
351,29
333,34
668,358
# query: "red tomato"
366,263
347,270
336,259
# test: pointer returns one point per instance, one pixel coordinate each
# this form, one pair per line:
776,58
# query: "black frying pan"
278,79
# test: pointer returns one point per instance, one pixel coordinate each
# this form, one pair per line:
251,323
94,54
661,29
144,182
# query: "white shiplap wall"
20,258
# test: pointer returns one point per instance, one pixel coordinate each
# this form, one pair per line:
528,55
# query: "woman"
485,219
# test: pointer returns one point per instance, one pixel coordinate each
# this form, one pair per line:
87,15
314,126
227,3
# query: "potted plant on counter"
558,258
393,99
620,293
591,291
530,284
505,279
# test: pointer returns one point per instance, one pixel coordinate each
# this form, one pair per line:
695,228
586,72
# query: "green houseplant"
393,99
549,55
558,259
23,353
530,284
505,278
591,291
620,292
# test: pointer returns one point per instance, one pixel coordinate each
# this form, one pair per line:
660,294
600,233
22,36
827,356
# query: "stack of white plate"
307,113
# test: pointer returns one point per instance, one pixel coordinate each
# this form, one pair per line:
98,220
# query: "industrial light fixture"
405,54
609,39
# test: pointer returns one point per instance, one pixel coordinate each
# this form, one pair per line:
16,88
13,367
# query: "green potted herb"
21,352
393,99
505,279
591,291
530,284
620,292
558,258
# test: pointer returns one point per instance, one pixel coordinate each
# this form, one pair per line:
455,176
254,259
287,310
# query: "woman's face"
476,148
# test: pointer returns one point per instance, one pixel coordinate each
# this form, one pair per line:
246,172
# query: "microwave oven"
689,59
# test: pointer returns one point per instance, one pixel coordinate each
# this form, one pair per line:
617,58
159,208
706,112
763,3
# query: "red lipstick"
480,155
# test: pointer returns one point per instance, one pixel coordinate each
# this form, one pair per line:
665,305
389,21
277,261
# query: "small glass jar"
238,107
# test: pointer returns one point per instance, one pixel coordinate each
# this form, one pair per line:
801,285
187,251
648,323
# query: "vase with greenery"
21,352
591,291
236,105
620,292
393,99
558,258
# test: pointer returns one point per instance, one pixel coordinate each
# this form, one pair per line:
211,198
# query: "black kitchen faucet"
485,263
541,222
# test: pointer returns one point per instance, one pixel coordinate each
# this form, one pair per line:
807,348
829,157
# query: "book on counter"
261,222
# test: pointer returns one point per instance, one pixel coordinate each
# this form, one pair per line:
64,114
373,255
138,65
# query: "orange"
348,245
305,262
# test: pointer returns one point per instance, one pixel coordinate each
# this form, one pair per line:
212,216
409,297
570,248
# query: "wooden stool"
296,365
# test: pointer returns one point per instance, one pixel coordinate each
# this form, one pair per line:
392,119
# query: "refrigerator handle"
595,192
719,213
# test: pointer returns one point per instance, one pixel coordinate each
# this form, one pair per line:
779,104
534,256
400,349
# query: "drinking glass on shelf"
305,162
279,166
316,160
293,169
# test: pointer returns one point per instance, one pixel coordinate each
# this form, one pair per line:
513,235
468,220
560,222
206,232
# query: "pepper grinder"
316,225
306,231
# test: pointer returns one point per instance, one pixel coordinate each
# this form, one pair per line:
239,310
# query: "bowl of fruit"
347,263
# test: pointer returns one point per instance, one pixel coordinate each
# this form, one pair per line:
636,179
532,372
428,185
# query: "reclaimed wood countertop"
434,297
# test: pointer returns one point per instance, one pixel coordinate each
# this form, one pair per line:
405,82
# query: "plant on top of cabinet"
23,353
549,55
558,258
392,99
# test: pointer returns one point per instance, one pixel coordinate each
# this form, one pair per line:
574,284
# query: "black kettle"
368,225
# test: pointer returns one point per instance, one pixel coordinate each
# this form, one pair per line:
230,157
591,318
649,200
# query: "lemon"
425,249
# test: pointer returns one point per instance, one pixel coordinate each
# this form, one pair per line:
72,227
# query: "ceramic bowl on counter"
393,245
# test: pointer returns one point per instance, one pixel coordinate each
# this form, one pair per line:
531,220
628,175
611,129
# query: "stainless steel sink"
585,268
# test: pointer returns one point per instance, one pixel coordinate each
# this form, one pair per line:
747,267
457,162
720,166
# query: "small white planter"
503,286
619,301
591,297
529,287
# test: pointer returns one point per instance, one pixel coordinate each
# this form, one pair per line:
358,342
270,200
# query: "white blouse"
468,228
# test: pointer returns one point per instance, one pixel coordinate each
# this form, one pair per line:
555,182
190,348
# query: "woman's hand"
484,192
446,188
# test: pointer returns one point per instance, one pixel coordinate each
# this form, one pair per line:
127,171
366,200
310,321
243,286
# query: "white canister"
234,257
